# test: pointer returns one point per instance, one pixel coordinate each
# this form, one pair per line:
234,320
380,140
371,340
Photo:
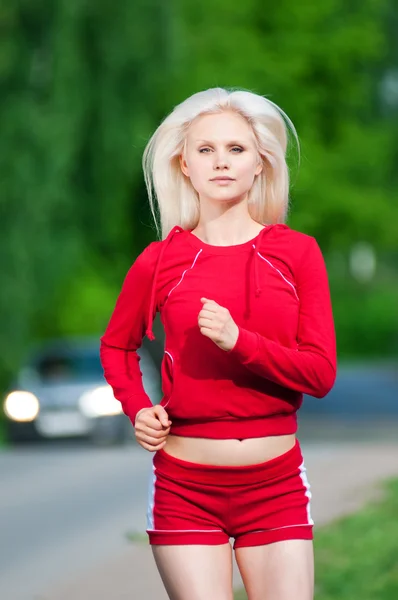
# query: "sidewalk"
343,477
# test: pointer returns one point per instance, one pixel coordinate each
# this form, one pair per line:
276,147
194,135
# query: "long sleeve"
309,368
123,336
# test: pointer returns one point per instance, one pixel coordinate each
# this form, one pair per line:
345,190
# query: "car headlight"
21,406
100,402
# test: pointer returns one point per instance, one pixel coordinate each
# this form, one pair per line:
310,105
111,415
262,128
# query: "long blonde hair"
172,198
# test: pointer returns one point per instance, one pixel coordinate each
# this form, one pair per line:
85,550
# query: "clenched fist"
216,323
152,426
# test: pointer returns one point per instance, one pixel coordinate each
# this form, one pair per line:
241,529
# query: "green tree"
84,84
80,85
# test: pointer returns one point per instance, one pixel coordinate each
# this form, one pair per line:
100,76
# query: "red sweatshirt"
276,289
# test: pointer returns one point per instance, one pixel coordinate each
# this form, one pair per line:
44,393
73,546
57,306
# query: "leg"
195,572
278,571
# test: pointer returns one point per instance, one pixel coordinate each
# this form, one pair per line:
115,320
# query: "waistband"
285,424
182,470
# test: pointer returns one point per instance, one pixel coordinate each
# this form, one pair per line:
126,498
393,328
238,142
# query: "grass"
356,558
137,537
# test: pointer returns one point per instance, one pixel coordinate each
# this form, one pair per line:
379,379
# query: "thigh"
276,508
278,571
195,572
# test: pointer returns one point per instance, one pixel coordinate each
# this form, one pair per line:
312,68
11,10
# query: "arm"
123,337
311,367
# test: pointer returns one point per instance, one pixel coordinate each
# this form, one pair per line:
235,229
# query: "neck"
226,232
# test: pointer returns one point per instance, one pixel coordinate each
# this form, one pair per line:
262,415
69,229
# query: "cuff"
246,346
135,404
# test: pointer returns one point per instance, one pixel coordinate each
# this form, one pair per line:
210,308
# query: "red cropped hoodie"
276,289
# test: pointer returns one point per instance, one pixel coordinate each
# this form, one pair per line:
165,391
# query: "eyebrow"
231,143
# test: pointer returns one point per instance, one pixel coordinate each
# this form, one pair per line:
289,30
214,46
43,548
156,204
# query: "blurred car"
60,392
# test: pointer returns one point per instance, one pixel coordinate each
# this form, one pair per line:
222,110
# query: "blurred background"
83,86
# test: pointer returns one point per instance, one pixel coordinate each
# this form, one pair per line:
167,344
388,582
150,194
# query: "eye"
237,149
204,150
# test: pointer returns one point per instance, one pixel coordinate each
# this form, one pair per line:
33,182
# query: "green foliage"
83,87
366,319
321,63
356,557
79,83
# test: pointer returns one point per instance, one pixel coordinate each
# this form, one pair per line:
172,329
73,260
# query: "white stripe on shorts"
303,475
151,499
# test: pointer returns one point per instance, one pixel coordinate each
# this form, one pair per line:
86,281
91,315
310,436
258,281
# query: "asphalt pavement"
66,510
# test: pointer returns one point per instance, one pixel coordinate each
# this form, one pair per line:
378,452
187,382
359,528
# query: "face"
221,157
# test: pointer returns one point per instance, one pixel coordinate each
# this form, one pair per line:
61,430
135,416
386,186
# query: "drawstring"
254,265
257,286
166,242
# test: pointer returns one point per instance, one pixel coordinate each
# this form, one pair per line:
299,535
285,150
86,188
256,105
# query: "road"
65,511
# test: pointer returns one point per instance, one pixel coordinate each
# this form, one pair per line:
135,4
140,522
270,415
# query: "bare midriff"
231,452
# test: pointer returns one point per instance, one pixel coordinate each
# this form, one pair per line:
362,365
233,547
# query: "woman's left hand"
216,323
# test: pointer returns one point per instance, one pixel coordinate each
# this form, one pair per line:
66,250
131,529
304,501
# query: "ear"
183,165
259,167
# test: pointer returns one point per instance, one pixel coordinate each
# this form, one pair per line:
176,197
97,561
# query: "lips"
222,179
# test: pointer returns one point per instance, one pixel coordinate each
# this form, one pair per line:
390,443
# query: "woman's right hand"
152,426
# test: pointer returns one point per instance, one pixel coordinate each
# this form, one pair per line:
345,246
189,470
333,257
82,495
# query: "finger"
156,419
208,301
205,323
208,314
148,439
152,448
162,415
149,421
210,307
154,433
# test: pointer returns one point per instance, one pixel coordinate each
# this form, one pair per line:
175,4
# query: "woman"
245,304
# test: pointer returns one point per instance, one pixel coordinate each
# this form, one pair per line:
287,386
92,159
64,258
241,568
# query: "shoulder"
146,258
287,241
143,266
283,233
175,244
299,251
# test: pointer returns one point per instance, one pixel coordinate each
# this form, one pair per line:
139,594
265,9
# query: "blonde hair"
177,200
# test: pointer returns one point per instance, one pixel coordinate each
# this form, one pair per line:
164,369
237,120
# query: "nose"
221,161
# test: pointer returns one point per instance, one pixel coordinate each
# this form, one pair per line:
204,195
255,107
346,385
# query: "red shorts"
258,504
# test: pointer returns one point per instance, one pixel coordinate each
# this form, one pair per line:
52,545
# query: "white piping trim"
214,530
186,530
168,354
283,527
151,498
281,274
303,476
182,276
